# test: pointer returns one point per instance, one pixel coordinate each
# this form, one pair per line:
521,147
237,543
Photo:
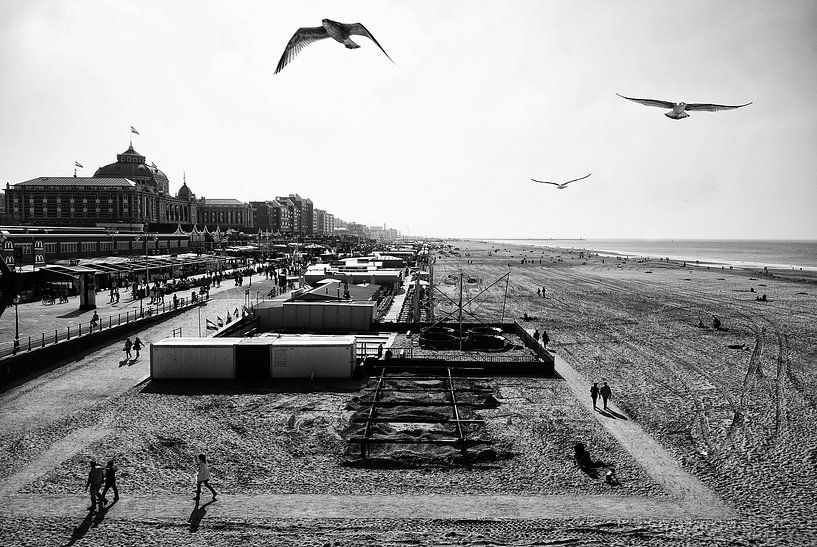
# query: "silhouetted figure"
388,354
110,482
610,477
701,324
127,348
545,338
137,345
716,323
203,477
536,334
605,393
94,320
93,484
380,351
594,393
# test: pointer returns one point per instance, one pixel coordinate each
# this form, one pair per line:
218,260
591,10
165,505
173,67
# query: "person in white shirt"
203,477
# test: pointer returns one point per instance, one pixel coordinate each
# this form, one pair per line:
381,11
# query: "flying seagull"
341,32
563,185
678,111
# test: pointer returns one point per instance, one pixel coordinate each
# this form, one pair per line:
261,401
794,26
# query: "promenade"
40,323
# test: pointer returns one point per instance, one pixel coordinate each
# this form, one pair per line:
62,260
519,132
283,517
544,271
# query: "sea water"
789,254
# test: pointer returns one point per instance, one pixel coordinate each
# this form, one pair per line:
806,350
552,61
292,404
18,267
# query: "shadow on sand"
91,520
198,514
611,414
261,387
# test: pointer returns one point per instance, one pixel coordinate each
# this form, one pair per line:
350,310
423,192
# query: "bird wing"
302,38
650,102
545,182
360,30
574,180
713,107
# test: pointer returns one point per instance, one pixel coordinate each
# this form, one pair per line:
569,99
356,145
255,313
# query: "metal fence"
41,340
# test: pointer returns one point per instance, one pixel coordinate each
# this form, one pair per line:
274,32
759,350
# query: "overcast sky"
483,96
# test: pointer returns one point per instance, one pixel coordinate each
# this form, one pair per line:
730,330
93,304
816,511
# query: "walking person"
594,393
605,394
137,345
203,477
110,482
93,484
128,346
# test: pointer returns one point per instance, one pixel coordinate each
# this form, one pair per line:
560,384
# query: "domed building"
130,164
127,192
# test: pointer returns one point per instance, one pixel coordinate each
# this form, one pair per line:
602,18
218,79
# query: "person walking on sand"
110,482
93,484
605,394
137,345
594,393
203,477
128,345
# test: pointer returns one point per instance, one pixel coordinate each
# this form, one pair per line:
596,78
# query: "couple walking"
604,391
96,478
136,345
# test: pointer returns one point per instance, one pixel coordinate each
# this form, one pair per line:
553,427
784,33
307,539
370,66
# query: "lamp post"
16,326
147,271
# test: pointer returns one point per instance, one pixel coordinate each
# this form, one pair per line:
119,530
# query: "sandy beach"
736,405
733,407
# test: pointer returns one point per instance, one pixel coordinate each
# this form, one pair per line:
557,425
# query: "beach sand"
737,406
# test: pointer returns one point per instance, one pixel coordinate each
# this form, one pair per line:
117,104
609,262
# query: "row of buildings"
134,195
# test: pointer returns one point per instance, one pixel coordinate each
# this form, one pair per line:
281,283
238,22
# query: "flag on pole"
133,130
220,321
236,311
211,325
77,164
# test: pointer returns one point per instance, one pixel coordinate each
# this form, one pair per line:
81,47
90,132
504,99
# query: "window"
106,245
68,247
88,246
50,247
123,245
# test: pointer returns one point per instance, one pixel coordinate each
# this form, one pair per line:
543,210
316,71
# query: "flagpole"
199,308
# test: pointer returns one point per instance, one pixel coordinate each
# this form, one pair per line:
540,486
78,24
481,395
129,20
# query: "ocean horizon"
743,253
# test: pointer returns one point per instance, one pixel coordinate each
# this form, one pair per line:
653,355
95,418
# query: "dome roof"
184,192
131,164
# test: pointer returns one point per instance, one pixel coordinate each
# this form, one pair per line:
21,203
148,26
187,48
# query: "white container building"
273,356
192,359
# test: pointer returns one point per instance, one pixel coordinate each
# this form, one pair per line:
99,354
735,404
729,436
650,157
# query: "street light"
147,271
16,326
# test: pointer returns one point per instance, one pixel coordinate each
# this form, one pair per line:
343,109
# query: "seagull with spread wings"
563,185
679,110
341,32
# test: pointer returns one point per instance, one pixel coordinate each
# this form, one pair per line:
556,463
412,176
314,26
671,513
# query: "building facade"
226,214
128,193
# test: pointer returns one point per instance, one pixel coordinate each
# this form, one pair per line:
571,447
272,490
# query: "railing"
369,350
41,340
